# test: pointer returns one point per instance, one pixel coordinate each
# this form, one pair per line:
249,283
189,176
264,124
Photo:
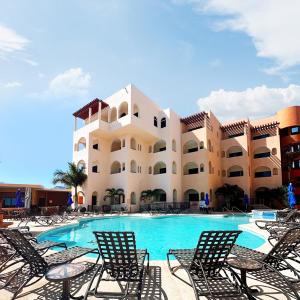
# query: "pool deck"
159,284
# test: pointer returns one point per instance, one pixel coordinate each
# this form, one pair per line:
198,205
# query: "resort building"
126,141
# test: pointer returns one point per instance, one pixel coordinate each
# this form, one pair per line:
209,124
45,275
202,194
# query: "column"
75,123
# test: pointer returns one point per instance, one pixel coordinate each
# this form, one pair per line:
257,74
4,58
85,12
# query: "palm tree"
114,194
74,177
231,194
147,195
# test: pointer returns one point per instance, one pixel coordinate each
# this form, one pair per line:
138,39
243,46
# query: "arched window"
201,145
123,143
223,173
159,168
132,198
190,146
275,171
262,152
160,195
223,154
235,171
115,168
115,145
133,143
174,195
113,114
202,168
274,151
95,167
133,166
163,122
123,166
210,171
190,168
135,110
159,146
150,149
150,170
81,144
81,165
155,121
234,151
262,172
94,198
191,195
174,145
174,167
104,114
209,146
123,110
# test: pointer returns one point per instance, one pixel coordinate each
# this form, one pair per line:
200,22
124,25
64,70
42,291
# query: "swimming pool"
158,234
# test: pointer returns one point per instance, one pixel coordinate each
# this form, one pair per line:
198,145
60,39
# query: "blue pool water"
158,234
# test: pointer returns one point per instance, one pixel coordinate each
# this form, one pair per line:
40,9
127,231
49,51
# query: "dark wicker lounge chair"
121,261
35,266
206,266
278,260
281,217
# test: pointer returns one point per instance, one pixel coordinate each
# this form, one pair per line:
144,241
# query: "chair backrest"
284,247
212,250
23,247
285,215
118,251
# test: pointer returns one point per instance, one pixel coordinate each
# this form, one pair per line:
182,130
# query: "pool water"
158,234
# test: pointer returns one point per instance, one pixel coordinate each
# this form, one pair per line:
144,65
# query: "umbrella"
18,199
206,199
291,196
70,201
246,200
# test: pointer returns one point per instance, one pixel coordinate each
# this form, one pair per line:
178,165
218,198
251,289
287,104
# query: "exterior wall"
214,155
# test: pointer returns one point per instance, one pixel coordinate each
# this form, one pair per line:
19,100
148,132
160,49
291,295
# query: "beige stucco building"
126,141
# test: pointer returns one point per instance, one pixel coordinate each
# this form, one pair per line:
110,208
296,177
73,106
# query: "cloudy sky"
236,58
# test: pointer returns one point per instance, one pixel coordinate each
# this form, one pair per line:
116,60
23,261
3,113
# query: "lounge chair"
121,261
275,262
35,265
281,217
206,266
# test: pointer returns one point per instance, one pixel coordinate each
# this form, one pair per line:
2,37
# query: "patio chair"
206,266
121,261
35,266
281,217
277,270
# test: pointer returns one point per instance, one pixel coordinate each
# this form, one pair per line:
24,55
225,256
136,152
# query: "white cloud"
255,102
31,62
10,84
273,25
72,82
10,41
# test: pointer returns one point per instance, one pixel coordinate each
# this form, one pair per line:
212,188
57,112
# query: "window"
190,146
174,195
115,145
133,198
123,143
150,170
95,169
96,146
223,154
123,166
81,165
201,145
202,168
296,164
159,146
262,172
274,151
174,145
295,130
190,169
150,149
235,171
234,151
210,169
133,166
202,196
115,168
262,152
133,143
209,146
223,173
163,123
262,136
155,122
275,171
123,109
174,167
113,114
159,168
135,110
81,144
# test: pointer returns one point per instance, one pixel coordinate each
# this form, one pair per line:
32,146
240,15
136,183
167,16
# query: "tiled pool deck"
160,284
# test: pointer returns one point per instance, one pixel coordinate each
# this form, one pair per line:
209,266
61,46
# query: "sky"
237,58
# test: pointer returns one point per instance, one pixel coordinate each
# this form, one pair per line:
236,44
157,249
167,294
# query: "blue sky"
237,58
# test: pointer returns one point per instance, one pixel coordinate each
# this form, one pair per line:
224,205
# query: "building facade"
126,141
